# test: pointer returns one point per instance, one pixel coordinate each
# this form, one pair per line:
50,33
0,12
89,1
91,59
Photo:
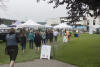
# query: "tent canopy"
20,26
17,23
3,26
47,26
62,26
29,23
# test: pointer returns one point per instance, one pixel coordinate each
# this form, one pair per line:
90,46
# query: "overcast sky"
30,9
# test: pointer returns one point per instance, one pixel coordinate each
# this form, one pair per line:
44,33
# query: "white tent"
29,23
3,26
62,26
97,26
47,26
20,26
17,23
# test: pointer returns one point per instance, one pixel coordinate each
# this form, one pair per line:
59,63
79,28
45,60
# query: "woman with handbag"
12,46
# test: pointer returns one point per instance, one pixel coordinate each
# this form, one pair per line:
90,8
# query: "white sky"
30,9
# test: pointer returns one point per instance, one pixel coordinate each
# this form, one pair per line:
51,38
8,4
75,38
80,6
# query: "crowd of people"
34,38
31,36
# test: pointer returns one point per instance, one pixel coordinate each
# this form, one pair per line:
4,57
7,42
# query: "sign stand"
45,52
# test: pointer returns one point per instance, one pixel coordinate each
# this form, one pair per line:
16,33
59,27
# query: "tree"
79,8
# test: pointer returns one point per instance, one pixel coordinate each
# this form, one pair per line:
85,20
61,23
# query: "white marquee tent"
47,26
62,26
3,26
20,26
17,23
29,23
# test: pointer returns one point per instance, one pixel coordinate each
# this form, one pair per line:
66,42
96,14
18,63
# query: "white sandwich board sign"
45,52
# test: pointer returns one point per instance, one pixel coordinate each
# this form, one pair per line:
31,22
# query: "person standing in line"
68,35
23,40
47,35
51,36
31,37
43,38
37,41
12,46
55,34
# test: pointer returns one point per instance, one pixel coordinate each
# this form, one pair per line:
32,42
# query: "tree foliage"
79,8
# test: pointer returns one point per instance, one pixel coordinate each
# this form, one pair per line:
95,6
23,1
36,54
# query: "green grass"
30,54
82,52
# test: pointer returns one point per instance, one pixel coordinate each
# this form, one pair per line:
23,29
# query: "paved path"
41,63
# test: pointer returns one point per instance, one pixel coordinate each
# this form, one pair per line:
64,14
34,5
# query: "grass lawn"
82,52
29,55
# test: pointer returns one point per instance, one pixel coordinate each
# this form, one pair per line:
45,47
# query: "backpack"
11,40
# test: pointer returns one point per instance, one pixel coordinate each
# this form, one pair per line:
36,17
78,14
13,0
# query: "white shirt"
55,33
